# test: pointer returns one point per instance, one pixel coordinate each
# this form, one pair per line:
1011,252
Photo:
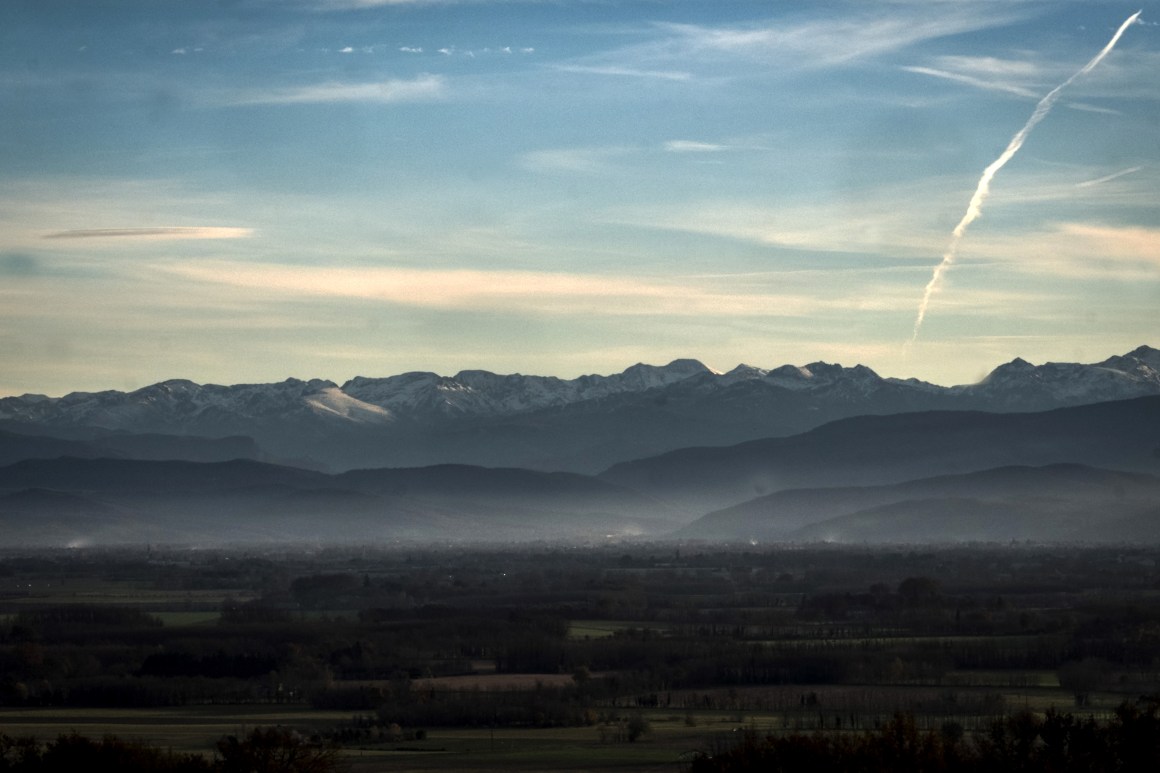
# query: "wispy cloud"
692,146
824,42
908,219
1088,108
883,225
786,44
993,68
975,81
531,291
163,233
575,160
1071,251
471,53
354,5
1011,76
1116,242
422,88
630,72
1108,177
1015,77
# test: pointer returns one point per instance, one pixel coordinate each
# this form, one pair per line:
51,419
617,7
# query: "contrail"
1108,178
974,209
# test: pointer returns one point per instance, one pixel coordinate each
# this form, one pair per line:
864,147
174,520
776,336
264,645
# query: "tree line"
1022,743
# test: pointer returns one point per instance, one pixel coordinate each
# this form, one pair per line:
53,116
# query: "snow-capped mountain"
180,405
806,378
481,393
1019,385
542,422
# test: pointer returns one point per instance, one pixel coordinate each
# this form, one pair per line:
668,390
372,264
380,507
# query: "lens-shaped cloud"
162,233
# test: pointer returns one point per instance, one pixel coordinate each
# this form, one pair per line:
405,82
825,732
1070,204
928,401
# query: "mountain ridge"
903,477
874,450
1056,501
543,422
71,500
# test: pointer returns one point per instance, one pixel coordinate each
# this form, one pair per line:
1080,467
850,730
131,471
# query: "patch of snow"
334,402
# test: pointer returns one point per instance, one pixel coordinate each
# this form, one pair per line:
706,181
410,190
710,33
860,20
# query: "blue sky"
247,190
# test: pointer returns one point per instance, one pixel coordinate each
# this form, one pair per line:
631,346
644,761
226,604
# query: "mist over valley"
800,454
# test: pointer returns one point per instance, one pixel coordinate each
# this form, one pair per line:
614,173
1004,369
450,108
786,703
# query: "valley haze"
1055,452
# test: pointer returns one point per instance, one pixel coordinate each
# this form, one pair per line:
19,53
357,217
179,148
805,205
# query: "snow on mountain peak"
1018,384
332,401
790,377
744,372
1143,359
1015,369
185,407
483,393
820,374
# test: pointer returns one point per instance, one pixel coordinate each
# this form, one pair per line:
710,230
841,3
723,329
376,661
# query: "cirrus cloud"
161,233
693,146
516,291
421,88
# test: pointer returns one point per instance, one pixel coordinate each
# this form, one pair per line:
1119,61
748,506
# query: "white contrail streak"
974,209
1108,178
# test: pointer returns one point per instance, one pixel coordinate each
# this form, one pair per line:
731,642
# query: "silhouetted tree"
275,750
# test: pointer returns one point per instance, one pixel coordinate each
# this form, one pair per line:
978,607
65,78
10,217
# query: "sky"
243,191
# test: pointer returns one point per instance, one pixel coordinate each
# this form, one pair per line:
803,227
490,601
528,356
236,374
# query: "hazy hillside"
885,475
86,501
877,450
1054,503
15,447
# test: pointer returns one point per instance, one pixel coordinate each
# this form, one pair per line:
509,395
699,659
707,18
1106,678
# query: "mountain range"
1056,452
536,422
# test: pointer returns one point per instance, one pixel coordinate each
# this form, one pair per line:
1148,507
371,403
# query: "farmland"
625,657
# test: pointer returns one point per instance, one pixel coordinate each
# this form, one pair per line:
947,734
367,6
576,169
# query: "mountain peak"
177,383
687,365
1014,368
662,375
1144,354
314,384
826,370
744,371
